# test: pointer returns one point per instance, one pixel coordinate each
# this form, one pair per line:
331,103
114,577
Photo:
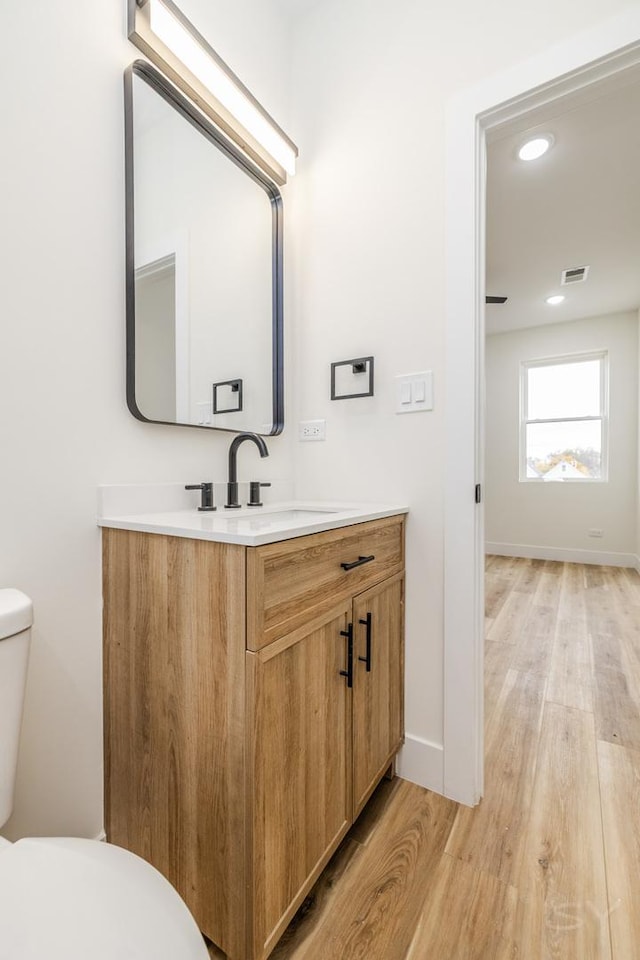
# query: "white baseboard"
422,762
102,836
565,554
636,563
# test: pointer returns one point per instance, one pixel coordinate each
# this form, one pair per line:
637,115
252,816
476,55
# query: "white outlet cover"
312,430
205,414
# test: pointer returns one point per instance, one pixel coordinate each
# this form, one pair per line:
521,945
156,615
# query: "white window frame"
603,416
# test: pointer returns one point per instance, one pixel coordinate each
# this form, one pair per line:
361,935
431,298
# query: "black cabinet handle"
348,673
357,563
367,658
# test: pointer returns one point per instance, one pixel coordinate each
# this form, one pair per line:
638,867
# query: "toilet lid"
16,612
69,899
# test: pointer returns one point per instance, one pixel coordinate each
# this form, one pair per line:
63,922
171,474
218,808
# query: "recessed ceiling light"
536,147
555,300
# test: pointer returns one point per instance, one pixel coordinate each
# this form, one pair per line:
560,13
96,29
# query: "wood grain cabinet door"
378,715
299,756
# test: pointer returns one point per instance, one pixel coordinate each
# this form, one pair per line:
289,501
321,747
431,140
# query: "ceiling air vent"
574,275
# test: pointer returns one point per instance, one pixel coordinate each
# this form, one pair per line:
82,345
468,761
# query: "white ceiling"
578,205
296,7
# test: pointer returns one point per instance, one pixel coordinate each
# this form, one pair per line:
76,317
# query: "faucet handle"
254,493
206,489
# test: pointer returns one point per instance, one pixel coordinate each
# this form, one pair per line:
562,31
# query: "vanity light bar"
162,31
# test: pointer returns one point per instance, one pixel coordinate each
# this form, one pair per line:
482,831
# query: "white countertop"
250,526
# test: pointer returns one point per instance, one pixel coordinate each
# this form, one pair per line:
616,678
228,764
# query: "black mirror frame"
159,83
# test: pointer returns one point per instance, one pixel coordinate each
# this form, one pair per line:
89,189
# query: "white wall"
64,426
372,82
558,515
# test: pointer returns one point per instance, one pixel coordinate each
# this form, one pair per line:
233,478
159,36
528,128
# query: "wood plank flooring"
547,867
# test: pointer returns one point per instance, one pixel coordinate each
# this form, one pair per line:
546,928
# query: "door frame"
176,245
601,52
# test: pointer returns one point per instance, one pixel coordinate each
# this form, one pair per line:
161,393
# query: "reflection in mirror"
204,270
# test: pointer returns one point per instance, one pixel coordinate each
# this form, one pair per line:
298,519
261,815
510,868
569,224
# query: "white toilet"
72,899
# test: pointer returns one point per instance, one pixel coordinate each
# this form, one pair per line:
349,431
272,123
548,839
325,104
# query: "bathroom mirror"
204,269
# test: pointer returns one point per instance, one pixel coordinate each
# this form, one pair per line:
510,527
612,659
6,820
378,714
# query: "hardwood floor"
547,867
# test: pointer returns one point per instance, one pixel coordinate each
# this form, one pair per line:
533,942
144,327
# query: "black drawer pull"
367,658
357,563
348,673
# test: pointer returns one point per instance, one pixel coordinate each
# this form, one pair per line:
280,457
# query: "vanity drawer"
287,582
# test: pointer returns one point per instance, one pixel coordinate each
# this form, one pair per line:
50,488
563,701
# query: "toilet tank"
16,617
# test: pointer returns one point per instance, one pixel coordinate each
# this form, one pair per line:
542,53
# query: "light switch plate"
414,392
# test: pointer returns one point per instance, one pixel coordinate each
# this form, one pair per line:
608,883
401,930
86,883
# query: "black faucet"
232,484
206,490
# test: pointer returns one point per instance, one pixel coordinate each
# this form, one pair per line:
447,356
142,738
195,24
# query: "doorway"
595,56
561,351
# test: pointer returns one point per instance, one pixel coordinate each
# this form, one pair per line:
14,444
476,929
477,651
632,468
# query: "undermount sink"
295,513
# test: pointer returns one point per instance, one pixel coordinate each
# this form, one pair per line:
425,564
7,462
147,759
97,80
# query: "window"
563,427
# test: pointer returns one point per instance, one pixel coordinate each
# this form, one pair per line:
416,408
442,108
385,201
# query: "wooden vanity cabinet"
238,752
378,717
299,768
